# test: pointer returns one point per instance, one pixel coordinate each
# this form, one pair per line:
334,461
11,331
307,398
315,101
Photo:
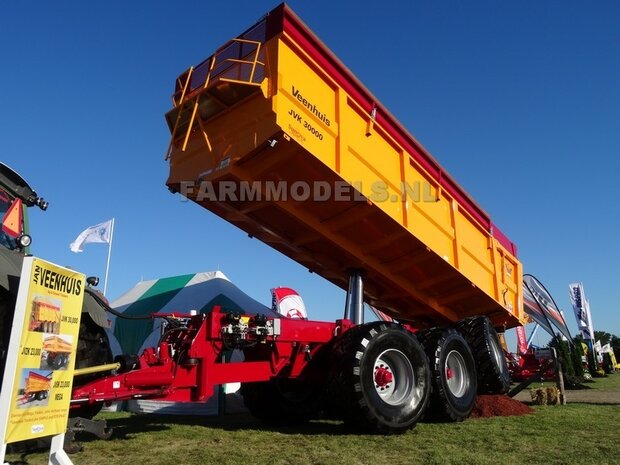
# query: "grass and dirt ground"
597,391
583,432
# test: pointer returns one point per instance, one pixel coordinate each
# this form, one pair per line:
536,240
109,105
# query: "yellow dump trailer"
36,382
57,352
37,386
275,135
57,345
45,316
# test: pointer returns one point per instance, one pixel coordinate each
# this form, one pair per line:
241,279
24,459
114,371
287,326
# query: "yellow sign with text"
46,353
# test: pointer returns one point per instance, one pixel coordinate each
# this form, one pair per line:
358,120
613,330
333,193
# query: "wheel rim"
455,369
394,378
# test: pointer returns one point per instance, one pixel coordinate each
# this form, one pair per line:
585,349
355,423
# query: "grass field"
578,433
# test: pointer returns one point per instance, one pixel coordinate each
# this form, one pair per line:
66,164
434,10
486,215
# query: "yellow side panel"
510,280
370,162
225,139
428,213
474,253
34,385
305,105
56,344
325,121
47,314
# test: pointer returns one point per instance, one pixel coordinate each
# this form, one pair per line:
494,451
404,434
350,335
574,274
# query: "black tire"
93,345
93,349
381,378
281,402
54,361
491,365
41,395
453,374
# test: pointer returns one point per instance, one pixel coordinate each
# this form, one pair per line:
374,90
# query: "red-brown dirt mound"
498,406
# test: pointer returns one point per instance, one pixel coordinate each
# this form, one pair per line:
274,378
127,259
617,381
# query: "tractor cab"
15,198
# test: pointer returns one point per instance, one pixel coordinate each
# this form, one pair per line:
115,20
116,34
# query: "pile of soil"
498,406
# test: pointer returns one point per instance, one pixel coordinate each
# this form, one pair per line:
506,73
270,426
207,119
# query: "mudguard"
94,302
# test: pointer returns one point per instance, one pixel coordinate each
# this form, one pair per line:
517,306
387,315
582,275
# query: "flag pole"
107,267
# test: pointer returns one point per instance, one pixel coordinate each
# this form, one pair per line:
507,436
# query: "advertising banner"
288,302
581,310
36,389
521,340
539,305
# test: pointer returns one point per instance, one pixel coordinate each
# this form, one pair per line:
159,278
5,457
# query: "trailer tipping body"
37,383
45,316
57,344
275,135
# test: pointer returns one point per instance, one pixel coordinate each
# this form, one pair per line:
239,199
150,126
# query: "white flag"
99,233
580,307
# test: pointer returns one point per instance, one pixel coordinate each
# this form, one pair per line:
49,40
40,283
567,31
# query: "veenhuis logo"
310,106
57,281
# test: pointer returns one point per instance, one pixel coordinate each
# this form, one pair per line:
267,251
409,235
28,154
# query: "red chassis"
190,359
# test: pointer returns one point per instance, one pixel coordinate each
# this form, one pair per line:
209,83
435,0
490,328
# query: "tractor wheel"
381,378
93,345
453,374
93,349
41,395
492,368
281,402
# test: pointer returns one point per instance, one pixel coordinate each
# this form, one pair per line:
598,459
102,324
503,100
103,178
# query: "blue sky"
519,101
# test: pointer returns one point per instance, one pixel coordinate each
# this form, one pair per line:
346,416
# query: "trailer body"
36,386
56,344
36,382
57,352
45,316
276,136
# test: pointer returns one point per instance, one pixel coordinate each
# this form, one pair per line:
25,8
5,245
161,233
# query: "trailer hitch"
83,425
